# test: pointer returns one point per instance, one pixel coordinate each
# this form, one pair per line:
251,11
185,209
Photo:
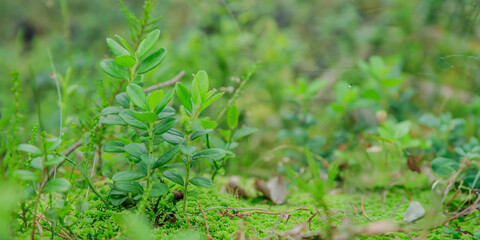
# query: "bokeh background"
318,63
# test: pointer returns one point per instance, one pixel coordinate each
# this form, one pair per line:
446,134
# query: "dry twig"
209,237
364,213
167,83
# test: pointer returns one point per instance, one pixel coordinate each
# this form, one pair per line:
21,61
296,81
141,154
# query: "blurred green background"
429,46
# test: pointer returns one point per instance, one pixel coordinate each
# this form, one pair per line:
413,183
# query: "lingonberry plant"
147,118
193,103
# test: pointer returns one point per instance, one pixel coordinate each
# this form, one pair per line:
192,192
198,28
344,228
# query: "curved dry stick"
274,213
205,220
167,83
363,211
228,208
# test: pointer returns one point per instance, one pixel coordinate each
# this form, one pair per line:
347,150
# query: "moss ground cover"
100,223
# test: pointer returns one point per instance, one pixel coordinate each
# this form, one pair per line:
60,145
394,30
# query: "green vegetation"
265,120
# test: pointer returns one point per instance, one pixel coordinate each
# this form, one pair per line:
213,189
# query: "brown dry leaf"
234,188
412,163
296,231
275,189
380,227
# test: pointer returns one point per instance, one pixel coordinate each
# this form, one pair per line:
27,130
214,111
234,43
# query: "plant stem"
185,188
143,203
37,200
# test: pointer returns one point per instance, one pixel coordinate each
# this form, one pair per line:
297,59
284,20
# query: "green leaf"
165,100
114,147
211,154
111,120
125,44
208,124
444,166
81,206
200,133
37,163
202,83
188,150
51,214
111,110
128,117
166,113
166,157
195,91
152,61
29,149
54,161
184,96
136,150
174,177
57,185
129,186
111,68
158,189
243,132
147,43
148,160
107,173
201,182
232,116
25,175
153,99
127,176
53,144
210,100
402,129
174,137
125,61
117,200
137,96
116,49
164,126
147,117
122,100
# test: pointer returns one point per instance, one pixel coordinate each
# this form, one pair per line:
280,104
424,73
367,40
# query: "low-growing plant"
147,117
193,103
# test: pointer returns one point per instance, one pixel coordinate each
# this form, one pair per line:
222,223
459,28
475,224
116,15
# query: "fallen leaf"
412,163
275,189
296,231
234,188
414,212
380,227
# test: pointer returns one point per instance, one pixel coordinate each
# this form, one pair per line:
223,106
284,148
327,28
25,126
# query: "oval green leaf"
114,147
111,68
125,61
137,95
28,148
128,117
147,43
58,185
152,61
116,48
174,177
127,176
201,182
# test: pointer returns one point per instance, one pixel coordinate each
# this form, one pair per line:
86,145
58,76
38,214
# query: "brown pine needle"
363,211
205,219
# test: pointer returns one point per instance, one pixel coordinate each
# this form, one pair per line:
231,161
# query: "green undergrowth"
100,223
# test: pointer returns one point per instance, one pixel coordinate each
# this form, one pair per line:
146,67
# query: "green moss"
100,223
